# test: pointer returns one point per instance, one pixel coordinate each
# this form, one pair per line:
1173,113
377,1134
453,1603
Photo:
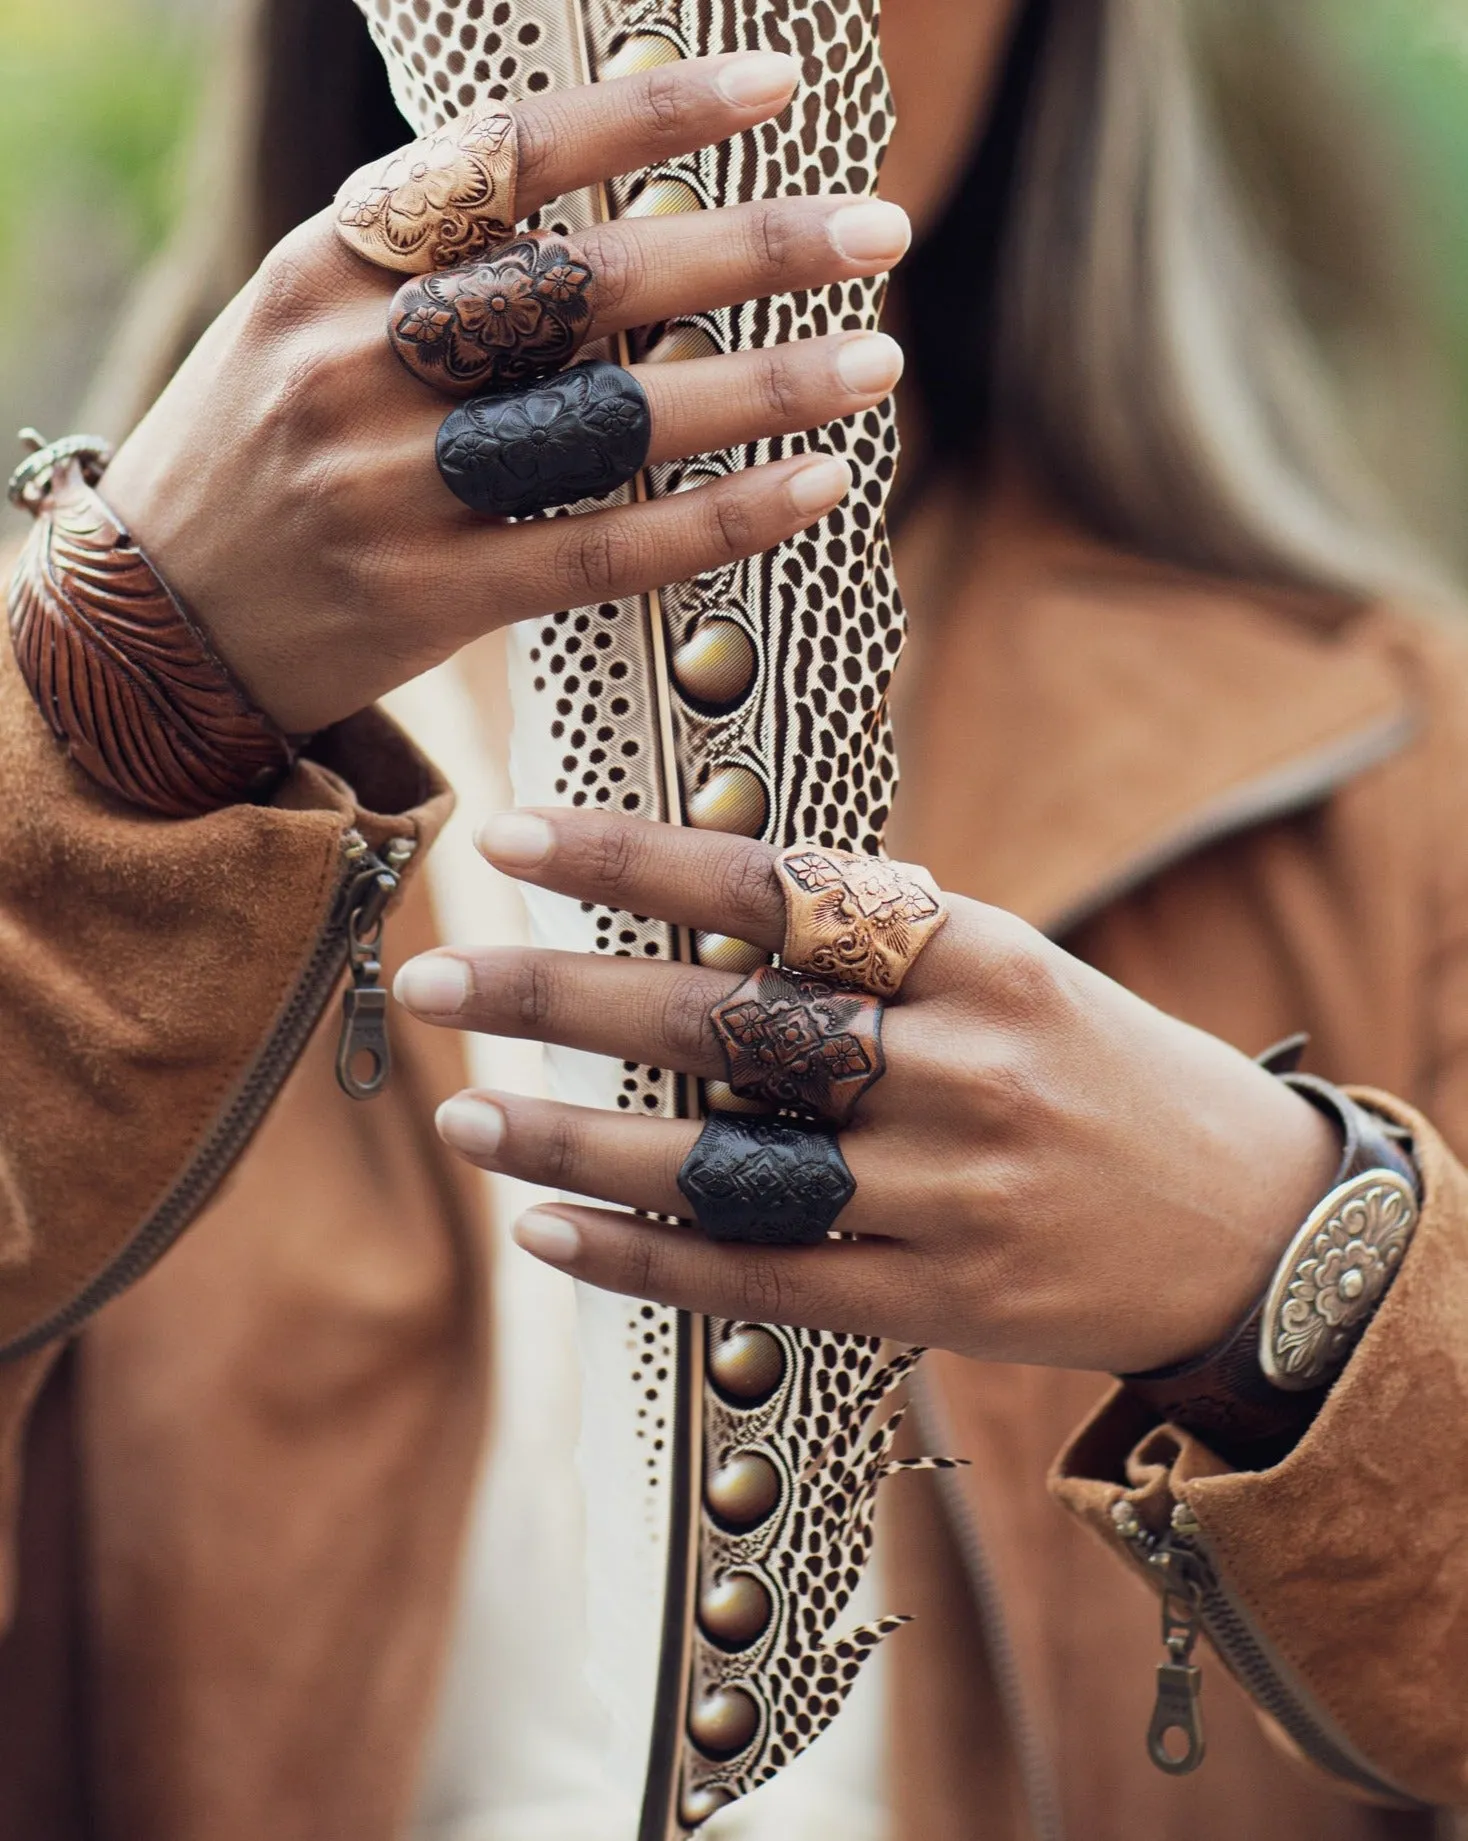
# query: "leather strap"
1224,1394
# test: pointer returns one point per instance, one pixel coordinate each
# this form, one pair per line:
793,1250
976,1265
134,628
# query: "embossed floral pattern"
494,322
765,1182
797,1042
573,436
442,200
857,920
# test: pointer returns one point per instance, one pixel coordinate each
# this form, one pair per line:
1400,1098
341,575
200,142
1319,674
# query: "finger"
592,1151
578,137
606,555
868,1286
652,269
708,403
630,1009
702,879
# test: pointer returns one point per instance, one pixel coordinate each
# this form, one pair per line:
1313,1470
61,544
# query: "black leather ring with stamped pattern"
767,1182
553,441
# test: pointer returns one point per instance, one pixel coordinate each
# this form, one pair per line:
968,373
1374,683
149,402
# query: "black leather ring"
553,441
522,312
768,1182
799,1043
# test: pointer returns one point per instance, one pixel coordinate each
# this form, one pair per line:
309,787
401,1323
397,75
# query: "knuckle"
597,558
783,387
1006,1089
612,857
536,133
733,531
532,994
641,1265
748,890
666,101
773,237
1020,970
683,1021
619,262
560,1157
762,1289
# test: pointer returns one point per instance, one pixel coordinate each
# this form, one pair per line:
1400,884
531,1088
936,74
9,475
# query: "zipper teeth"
1242,1649
230,1133
1036,1774
1235,1641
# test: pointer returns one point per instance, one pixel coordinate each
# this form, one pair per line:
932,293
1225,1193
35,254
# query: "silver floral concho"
1332,1278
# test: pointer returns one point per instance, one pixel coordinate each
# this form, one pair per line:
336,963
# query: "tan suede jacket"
234,1500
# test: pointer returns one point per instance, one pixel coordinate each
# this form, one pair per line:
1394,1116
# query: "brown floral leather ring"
439,201
520,312
798,1043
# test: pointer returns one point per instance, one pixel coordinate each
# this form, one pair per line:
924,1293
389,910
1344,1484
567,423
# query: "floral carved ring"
523,310
856,920
440,201
799,1043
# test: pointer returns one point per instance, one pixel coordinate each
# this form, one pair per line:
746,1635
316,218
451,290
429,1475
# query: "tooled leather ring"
442,200
577,435
766,1182
856,920
800,1043
522,311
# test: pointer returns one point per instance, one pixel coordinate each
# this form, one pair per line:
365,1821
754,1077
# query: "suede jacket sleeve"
157,979
1335,1584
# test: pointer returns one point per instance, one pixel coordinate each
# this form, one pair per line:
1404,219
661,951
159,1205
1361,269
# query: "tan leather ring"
796,1042
522,311
856,920
445,199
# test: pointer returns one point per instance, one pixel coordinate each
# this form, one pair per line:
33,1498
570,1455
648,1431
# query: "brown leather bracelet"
120,672
1225,1395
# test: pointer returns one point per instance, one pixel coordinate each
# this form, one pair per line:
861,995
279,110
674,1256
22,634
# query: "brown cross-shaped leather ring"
800,1044
856,920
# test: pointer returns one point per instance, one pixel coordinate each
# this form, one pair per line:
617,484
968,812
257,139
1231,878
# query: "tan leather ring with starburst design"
524,310
797,1043
445,199
856,920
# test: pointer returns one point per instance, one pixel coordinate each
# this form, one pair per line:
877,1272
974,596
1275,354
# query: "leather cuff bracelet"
1253,1394
121,674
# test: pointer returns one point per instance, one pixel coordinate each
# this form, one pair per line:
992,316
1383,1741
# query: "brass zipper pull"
364,1051
1179,1680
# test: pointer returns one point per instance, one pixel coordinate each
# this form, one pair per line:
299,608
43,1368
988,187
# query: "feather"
600,722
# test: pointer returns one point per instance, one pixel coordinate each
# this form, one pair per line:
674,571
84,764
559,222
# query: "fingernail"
872,231
435,985
819,486
516,838
473,1126
755,81
869,364
549,1237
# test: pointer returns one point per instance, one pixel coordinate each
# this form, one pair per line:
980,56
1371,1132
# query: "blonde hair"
1150,361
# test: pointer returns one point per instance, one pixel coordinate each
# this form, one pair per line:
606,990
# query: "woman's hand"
1050,1171
285,482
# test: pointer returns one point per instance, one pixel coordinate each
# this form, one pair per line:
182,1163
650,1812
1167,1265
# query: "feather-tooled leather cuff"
120,672
1254,1393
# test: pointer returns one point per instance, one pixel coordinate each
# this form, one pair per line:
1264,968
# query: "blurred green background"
98,100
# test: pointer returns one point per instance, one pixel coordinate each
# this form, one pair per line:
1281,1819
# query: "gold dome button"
702,1802
681,343
719,1096
734,1610
726,954
716,664
749,1365
643,51
723,1722
743,1491
664,198
731,799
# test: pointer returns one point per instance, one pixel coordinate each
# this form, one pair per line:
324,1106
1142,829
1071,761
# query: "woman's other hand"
285,483
1050,1171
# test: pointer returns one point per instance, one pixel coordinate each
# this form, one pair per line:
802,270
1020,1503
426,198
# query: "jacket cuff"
1349,1553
